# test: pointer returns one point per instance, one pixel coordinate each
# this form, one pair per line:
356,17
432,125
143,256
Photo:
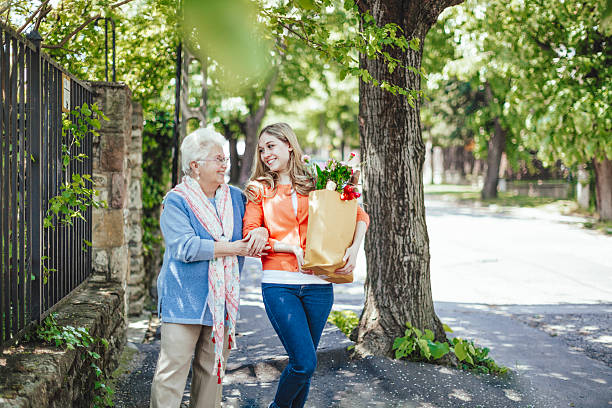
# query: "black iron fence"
38,266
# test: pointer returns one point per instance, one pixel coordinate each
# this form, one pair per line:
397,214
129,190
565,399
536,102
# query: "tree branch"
82,26
261,111
27,22
8,13
72,34
42,16
121,3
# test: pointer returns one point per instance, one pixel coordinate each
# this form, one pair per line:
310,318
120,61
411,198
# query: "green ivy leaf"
460,351
439,349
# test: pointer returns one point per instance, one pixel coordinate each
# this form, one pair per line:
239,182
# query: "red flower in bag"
349,192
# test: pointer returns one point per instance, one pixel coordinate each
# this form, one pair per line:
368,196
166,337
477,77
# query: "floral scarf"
223,273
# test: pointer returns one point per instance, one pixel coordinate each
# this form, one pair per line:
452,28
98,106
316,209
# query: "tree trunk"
234,161
250,146
603,188
232,138
397,287
497,145
251,127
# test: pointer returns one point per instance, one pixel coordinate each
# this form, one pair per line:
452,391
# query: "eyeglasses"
219,160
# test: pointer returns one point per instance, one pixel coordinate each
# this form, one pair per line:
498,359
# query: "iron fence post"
35,196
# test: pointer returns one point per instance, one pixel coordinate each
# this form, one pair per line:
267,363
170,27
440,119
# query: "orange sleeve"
254,218
363,216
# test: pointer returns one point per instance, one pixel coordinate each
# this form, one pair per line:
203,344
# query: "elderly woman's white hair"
197,144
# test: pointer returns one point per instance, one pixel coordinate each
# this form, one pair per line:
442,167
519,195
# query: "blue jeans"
298,314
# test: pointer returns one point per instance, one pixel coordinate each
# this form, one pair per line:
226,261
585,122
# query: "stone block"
137,122
137,173
135,292
113,152
119,264
136,277
100,261
136,145
118,191
108,228
102,196
134,160
116,103
100,180
135,195
133,234
136,307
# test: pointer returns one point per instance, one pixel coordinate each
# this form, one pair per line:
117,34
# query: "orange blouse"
277,215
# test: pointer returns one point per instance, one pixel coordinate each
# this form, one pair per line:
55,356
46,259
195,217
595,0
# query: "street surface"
515,258
533,287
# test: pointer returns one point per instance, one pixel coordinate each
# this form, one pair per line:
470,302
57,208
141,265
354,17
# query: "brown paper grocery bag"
331,226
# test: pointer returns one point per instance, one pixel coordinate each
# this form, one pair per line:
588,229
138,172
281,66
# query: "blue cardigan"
182,284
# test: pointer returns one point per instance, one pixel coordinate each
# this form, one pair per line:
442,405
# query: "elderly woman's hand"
257,241
238,248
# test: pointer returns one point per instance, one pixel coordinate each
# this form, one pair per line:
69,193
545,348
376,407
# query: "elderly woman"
198,284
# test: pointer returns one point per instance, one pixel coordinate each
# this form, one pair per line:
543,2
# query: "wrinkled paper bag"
331,226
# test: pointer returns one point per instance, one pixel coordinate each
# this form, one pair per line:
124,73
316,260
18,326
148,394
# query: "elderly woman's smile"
211,170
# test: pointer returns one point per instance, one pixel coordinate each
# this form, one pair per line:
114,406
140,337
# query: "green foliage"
157,143
364,36
75,195
73,338
417,343
345,320
146,40
338,172
420,345
546,71
476,358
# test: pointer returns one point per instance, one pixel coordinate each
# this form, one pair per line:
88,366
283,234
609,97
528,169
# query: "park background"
485,107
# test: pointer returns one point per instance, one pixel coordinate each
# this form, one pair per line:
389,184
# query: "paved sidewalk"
546,371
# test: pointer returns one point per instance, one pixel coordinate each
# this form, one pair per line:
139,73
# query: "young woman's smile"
274,153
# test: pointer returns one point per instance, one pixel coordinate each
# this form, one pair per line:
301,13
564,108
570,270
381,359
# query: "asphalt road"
523,256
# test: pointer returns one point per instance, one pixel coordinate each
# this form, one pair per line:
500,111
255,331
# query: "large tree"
398,285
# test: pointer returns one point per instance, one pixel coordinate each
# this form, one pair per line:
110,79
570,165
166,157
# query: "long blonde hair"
301,180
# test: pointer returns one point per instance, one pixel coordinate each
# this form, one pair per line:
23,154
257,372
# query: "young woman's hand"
258,241
299,255
350,257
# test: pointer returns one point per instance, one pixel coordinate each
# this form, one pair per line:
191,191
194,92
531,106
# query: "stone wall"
136,282
35,375
117,159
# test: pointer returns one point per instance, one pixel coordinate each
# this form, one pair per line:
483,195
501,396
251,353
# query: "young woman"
297,303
